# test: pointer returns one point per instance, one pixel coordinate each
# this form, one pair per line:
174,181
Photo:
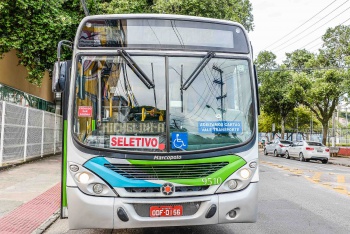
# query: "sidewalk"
344,161
29,194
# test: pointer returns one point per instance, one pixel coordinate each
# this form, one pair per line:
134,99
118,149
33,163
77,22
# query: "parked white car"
276,147
308,150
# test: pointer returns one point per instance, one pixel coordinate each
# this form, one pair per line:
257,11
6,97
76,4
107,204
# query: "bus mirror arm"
197,70
58,77
257,89
136,69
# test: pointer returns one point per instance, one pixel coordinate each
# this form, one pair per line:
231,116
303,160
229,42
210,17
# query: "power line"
310,27
319,37
300,25
312,31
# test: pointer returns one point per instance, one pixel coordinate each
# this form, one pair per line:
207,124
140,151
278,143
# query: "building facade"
14,87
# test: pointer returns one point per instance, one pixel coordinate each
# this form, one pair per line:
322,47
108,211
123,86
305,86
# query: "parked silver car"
308,150
277,147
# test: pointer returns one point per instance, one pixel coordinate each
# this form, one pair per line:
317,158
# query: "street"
295,197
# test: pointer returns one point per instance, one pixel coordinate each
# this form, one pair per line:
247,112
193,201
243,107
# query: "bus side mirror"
60,75
257,89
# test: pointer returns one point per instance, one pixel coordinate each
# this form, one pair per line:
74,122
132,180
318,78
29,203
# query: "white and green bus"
160,123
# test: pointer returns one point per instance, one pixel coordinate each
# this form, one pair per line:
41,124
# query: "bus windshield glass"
163,34
117,108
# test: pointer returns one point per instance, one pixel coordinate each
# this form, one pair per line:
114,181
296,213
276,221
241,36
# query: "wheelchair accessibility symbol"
179,140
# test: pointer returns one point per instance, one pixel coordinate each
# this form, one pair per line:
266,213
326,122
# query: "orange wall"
14,75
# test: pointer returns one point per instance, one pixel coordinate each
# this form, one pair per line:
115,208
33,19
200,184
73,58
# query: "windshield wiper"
136,69
198,70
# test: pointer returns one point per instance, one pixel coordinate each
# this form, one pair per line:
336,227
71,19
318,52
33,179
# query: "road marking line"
341,187
341,179
317,177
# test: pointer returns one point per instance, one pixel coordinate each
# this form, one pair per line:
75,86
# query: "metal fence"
27,133
338,136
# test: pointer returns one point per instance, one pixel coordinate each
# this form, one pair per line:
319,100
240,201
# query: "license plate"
165,211
320,151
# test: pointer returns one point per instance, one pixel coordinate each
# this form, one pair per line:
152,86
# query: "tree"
235,10
321,93
122,7
266,120
274,90
299,120
299,60
321,88
336,47
33,29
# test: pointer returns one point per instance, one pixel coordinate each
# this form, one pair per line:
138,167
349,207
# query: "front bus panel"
163,138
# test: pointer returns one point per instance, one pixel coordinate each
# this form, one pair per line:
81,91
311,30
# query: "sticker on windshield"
135,142
85,111
179,140
220,127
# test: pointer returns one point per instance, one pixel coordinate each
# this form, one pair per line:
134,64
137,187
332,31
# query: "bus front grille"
164,172
178,189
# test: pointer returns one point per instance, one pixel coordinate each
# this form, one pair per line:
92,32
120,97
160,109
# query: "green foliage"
275,87
125,6
266,60
300,119
299,60
33,29
265,121
336,46
265,63
235,10
321,91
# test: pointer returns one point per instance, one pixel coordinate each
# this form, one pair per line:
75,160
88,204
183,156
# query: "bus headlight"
241,178
84,178
245,173
97,188
90,183
232,184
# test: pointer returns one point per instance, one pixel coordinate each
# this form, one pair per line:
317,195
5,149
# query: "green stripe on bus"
235,163
64,170
216,178
226,158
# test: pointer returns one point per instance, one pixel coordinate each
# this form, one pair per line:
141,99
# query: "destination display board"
134,128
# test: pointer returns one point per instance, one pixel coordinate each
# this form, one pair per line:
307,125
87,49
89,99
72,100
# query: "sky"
283,26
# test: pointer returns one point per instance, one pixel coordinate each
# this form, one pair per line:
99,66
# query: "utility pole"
222,96
297,126
333,129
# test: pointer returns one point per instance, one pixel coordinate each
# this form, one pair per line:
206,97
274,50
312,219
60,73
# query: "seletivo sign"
136,142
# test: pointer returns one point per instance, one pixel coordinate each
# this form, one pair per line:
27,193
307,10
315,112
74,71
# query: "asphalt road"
295,197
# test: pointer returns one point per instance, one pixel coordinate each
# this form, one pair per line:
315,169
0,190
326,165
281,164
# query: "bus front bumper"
107,212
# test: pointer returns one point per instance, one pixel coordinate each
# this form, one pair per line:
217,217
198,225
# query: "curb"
341,164
45,225
29,160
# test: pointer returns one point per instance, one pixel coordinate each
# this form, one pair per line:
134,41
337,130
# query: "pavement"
30,194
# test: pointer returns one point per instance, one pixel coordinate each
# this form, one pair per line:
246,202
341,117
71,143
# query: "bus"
159,123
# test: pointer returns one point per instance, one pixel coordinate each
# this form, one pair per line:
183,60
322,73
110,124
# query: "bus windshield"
165,109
